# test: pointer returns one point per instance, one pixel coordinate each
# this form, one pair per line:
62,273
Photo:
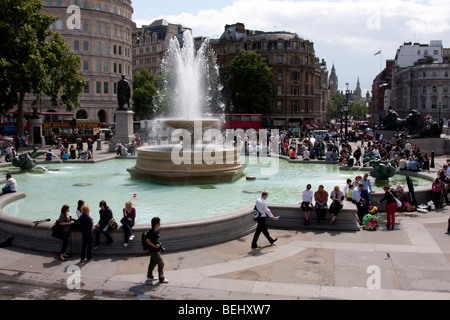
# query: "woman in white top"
306,202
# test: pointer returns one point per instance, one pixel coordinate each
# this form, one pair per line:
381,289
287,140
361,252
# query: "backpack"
145,245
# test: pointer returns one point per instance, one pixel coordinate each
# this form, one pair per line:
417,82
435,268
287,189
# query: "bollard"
99,144
432,160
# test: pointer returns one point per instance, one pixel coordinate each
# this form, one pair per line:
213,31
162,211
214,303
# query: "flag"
379,52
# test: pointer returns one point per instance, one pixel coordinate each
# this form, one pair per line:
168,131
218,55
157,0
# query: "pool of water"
67,183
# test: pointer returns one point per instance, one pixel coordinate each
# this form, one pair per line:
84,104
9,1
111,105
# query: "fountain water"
191,88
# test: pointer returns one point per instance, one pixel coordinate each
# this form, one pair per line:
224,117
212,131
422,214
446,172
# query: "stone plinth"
123,130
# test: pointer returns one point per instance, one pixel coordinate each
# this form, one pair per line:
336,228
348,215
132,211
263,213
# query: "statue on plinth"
123,93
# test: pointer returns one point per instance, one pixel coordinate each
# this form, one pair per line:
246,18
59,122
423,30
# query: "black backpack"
145,245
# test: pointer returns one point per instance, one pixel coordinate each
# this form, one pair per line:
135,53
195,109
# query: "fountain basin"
171,165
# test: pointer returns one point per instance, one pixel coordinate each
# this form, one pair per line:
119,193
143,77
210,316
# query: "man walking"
155,249
264,211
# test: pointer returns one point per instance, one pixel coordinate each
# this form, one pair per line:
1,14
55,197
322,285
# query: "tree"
358,110
251,83
337,100
144,92
35,60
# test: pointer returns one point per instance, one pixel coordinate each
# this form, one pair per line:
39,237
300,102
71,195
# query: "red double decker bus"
241,121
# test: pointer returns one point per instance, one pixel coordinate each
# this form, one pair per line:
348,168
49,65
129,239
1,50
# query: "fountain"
191,87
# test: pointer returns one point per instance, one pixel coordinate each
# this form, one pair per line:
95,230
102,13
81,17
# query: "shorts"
306,206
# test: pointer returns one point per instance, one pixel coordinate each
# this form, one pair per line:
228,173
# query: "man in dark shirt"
153,240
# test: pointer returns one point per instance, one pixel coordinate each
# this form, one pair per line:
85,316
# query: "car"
367,134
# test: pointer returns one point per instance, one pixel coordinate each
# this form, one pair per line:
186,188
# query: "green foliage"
251,83
337,100
35,60
144,93
358,110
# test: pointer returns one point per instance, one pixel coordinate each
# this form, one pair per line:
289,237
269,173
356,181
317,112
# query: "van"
104,134
321,134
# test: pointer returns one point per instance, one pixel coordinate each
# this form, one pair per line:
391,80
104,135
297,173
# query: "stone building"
381,90
151,42
302,96
423,87
102,38
422,83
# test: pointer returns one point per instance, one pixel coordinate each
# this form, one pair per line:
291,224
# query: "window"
280,90
98,66
435,52
85,46
105,67
423,101
85,65
98,85
280,75
434,103
295,76
76,45
105,87
86,87
435,90
279,59
85,26
59,25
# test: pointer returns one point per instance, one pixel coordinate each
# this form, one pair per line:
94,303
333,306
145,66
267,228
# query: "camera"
161,248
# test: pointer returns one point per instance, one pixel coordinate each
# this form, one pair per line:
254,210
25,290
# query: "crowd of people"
91,233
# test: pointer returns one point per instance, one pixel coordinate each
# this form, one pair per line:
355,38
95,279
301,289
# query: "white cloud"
346,32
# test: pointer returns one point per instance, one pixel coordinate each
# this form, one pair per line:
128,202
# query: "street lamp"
346,108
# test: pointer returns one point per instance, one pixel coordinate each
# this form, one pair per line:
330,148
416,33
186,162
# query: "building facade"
381,90
421,80
423,87
302,95
102,38
151,42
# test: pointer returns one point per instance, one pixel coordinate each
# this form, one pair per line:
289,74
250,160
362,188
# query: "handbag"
399,204
57,230
112,224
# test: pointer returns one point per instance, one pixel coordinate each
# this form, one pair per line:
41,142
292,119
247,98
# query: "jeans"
65,242
391,208
86,247
156,259
104,230
127,225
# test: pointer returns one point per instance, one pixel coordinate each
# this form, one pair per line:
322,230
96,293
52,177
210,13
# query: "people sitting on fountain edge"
10,186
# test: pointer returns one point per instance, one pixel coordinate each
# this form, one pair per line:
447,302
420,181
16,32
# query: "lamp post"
346,109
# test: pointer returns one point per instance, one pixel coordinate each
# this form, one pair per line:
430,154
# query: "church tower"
333,82
358,91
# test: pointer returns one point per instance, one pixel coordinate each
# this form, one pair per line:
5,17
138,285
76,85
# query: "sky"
346,33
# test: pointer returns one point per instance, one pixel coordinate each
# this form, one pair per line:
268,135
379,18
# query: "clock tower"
333,82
